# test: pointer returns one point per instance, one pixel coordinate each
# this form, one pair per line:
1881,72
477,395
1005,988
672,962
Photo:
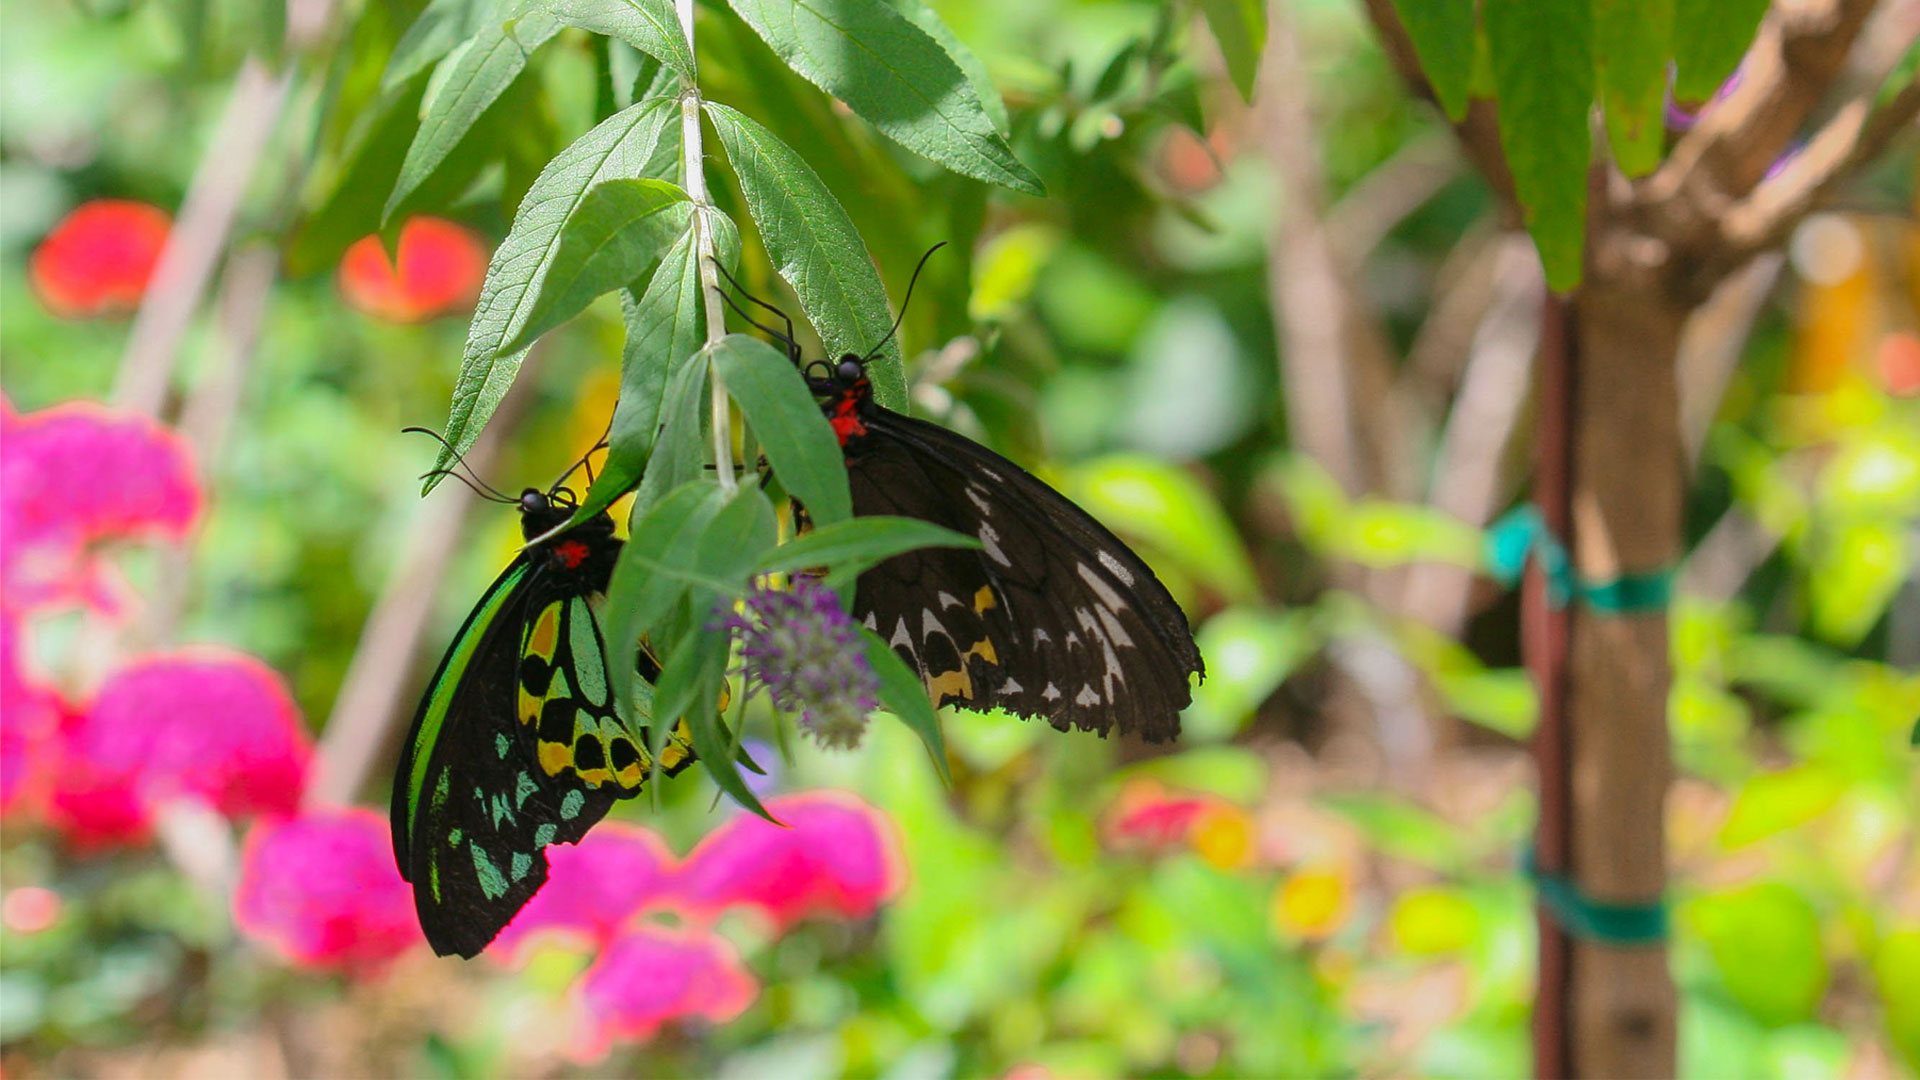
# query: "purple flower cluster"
803,648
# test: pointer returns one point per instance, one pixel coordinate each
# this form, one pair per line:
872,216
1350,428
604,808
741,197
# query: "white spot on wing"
948,600
1041,637
872,621
978,497
1009,687
1115,568
1114,630
1087,696
990,540
1099,586
1051,693
930,625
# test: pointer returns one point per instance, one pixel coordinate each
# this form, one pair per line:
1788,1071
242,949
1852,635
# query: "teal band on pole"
1522,534
1598,921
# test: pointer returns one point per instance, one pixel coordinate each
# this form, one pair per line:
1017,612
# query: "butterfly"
518,741
1053,616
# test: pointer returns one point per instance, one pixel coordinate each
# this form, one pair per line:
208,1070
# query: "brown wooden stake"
1545,632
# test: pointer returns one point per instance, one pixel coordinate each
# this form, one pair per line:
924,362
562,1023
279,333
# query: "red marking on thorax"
845,416
571,553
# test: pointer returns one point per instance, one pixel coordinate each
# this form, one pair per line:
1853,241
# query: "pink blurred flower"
76,474
1148,815
200,723
595,887
321,889
651,976
29,720
98,259
836,855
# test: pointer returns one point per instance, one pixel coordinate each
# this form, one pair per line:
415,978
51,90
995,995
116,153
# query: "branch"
1800,50
694,172
1856,135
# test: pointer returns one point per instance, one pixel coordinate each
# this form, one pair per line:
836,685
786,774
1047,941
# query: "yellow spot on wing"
545,634
555,756
984,650
983,600
957,683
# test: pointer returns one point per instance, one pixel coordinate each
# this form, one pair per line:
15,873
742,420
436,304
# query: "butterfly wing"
1054,617
517,744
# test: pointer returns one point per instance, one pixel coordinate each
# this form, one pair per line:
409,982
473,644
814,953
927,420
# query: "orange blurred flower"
1223,836
441,267
98,259
1314,903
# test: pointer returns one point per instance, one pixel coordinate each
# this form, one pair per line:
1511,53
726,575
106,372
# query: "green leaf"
871,539
1633,40
1894,963
677,456
667,538
895,77
798,442
905,696
689,688
1765,940
351,206
616,233
815,248
1542,52
648,25
1240,29
1250,651
1857,569
490,63
441,27
1709,38
618,148
665,326
922,15
1442,32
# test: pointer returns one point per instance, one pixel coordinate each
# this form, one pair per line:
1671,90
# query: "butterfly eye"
532,501
849,369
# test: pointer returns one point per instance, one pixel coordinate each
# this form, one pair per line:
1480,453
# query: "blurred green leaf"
1633,40
1765,942
800,446
440,28
1234,773
648,25
1169,510
1774,802
1430,921
1005,270
905,696
1382,533
1542,54
1709,38
492,60
351,207
1249,652
1855,573
861,540
1442,32
1876,473
1400,829
1894,962
1240,29
617,148
815,247
1502,700
614,236
895,77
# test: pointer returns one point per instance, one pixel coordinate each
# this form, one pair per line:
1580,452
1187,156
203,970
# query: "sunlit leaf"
1765,941
799,444
895,77
648,25
1774,802
616,233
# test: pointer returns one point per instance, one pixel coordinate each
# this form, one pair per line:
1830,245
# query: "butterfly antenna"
904,301
793,347
490,496
586,461
472,477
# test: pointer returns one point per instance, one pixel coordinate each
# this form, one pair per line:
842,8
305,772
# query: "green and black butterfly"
518,742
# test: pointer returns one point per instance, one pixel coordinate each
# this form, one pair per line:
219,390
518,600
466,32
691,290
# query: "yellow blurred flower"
1223,835
1429,921
1314,903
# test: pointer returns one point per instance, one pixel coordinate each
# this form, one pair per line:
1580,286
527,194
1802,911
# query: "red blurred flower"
594,887
652,976
321,889
836,855
201,723
76,474
1899,362
441,267
98,260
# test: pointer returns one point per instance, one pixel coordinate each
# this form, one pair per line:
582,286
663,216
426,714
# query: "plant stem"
694,175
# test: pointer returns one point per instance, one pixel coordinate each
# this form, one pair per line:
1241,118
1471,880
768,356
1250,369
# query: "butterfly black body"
1052,617
518,741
